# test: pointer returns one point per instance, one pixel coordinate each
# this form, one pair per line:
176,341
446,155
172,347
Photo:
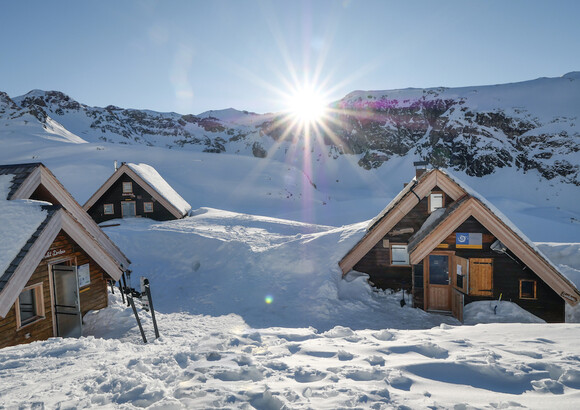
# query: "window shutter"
481,277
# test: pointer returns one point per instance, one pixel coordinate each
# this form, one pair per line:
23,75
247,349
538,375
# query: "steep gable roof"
404,202
150,180
16,275
27,178
468,203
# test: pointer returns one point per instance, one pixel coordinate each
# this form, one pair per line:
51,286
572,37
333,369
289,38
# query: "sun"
307,105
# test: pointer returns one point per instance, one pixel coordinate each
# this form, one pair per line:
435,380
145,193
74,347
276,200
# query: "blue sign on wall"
468,240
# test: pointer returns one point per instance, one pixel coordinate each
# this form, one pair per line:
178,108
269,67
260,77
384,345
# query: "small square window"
127,187
109,209
399,255
30,305
148,207
436,201
527,289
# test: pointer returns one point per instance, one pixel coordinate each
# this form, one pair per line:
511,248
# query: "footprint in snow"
324,355
376,360
308,376
365,376
344,356
213,356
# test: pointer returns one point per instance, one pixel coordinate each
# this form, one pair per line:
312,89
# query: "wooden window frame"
145,207
442,200
112,209
535,297
39,306
125,191
392,245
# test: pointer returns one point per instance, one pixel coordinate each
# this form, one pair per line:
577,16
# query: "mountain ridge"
530,125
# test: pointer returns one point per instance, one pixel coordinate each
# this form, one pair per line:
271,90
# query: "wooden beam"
78,234
449,186
391,218
441,232
520,248
513,241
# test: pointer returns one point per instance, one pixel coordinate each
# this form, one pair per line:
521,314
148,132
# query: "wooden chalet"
136,190
448,247
56,261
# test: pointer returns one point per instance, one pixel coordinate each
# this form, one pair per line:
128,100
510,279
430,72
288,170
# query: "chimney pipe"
420,168
115,165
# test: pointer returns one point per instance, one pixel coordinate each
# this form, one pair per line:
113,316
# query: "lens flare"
269,299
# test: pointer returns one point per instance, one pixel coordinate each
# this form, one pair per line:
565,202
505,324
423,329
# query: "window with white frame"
108,209
30,305
399,255
148,207
127,187
436,201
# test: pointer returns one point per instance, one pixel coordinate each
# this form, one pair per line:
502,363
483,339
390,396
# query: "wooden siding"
114,195
377,261
92,297
506,276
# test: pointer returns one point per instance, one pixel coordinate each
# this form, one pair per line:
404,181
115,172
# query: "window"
399,255
527,289
127,187
436,201
30,305
148,207
108,209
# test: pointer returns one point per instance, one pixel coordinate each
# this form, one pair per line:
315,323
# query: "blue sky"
194,56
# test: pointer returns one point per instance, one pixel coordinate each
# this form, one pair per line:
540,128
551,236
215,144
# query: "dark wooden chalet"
56,261
136,190
443,242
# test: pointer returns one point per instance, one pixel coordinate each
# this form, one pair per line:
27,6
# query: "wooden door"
481,276
438,285
457,300
67,308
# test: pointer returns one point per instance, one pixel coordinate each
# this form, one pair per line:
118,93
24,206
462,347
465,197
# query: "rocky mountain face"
532,125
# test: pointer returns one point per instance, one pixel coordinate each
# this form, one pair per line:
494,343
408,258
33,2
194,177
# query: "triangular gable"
125,169
403,203
37,247
520,246
40,175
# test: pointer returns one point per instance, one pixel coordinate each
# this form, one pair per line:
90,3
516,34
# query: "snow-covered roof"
19,220
156,181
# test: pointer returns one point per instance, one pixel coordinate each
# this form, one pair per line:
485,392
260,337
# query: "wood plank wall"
377,262
92,297
506,277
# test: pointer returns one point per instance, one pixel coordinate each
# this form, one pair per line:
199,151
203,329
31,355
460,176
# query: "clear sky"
194,56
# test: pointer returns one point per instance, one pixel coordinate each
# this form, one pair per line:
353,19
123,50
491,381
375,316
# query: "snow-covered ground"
252,310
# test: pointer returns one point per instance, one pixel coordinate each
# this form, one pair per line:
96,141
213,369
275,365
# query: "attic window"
527,289
30,305
436,201
127,187
399,255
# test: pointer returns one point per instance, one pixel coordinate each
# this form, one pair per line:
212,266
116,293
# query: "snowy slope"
245,323
251,307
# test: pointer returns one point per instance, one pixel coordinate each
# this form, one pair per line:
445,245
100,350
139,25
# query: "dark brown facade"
118,203
63,251
447,248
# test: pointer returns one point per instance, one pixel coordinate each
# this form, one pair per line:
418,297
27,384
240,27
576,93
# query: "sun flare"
307,105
